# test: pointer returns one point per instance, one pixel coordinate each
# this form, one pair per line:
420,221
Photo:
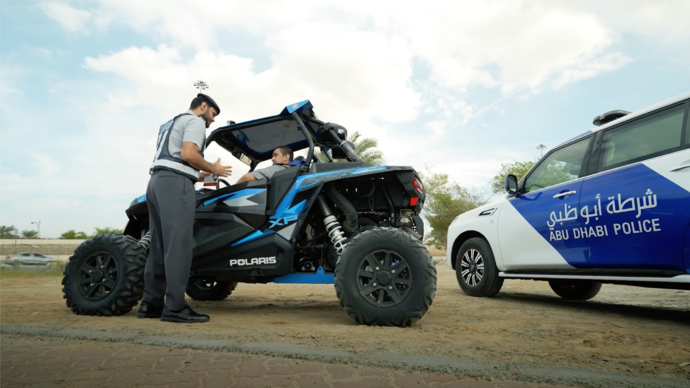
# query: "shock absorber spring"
335,233
146,240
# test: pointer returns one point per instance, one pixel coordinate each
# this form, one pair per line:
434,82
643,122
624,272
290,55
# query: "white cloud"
371,66
70,18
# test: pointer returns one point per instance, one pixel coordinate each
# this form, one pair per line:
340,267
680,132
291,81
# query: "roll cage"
296,126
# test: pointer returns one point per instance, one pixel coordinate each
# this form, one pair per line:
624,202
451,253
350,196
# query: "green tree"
105,230
445,200
72,235
366,148
519,169
29,234
7,231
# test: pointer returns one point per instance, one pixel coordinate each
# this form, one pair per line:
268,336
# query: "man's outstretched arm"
246,178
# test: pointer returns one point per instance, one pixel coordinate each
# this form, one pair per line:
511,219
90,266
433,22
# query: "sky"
457,87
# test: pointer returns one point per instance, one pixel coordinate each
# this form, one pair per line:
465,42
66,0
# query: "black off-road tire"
481,279
575,289
414,280
122,285
209,289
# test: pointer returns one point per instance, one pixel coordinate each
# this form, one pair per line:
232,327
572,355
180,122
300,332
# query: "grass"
52,271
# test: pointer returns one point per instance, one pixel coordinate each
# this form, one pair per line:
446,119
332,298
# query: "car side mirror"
511,184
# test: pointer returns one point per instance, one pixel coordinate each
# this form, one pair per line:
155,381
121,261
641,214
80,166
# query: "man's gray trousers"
170,198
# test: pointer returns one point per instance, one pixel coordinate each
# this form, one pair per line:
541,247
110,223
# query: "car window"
26,254
560,166
642,139
38,255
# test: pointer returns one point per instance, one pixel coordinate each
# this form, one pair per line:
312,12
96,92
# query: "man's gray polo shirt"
187,128
268,172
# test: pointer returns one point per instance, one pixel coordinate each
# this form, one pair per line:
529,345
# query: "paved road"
30,361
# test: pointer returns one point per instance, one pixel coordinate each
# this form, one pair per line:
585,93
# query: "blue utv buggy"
321,221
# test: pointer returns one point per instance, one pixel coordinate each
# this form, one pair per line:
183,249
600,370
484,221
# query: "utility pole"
541,147
39,227
201,85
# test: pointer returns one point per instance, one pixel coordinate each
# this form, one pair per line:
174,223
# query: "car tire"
385,277
105,276
209,289
475,269
575,289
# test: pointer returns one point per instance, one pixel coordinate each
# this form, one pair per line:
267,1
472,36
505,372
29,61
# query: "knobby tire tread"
129,290
429,278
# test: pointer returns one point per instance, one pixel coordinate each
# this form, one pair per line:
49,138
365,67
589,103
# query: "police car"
609,206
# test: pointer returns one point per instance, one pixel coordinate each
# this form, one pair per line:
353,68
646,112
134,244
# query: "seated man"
281,156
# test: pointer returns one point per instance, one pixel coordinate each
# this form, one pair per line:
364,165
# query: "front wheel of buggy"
105,276
385,277
209,289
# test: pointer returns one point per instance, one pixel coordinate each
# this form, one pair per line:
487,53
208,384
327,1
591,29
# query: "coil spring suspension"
335,233
146,240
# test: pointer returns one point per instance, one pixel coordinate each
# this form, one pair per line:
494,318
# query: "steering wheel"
223,181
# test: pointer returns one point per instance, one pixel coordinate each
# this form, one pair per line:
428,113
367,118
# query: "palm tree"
366,148
7,231
29,234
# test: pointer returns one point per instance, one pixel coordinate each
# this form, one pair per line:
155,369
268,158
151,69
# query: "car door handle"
681,167
566,194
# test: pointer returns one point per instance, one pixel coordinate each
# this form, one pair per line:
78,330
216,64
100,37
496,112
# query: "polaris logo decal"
254,261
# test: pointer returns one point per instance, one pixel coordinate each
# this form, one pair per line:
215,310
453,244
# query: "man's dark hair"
287,151
196,102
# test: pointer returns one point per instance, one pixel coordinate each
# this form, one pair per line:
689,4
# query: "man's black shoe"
148,311
183,316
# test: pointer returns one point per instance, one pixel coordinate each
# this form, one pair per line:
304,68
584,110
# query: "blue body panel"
537,208
637,237
287,213
320,277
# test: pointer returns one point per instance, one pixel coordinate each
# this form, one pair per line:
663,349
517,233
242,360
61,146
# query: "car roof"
258,138
633,115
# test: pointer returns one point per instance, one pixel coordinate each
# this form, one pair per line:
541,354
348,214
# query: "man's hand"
202,175
219,170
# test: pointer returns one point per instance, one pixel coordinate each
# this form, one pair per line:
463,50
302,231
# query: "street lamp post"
201,85
39,227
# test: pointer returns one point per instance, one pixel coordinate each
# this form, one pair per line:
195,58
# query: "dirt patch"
433,251
624,329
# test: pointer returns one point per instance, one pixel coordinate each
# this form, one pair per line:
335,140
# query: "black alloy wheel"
105,275
209,289
384,278
98,276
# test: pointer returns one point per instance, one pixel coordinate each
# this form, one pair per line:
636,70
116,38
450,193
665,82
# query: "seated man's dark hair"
287,151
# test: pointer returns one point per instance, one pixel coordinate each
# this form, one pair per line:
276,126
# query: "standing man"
171,199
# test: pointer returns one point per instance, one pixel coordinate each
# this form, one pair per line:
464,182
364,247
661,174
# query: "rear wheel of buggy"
385,277
209,289
105,276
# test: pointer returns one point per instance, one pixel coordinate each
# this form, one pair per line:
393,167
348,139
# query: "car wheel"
105,276
385,277
475,268
575,289
209,289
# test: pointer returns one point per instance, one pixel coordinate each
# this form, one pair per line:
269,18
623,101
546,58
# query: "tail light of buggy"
417,184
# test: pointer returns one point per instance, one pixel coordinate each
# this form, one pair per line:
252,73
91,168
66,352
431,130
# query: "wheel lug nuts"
390,287
393,271
374,284
90,271
377,268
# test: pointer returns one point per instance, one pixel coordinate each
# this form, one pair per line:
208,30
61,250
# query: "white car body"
627,222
